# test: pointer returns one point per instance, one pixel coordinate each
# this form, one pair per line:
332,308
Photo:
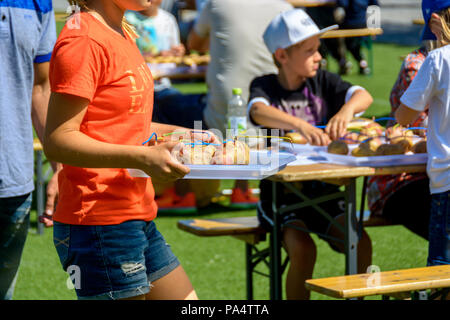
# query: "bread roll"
296,137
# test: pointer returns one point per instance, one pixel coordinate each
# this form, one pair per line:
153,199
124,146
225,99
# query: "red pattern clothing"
380,188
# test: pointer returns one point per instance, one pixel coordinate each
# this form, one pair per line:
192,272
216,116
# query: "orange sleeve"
77,66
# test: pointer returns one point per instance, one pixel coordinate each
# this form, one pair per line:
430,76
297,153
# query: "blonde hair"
444,15
127,27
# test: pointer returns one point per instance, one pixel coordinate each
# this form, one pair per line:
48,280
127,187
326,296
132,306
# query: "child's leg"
364,251
439,234
301,250
173,286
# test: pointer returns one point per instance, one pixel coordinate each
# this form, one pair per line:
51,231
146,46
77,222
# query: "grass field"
216,266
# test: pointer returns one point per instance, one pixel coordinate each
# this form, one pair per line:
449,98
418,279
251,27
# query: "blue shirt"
27,36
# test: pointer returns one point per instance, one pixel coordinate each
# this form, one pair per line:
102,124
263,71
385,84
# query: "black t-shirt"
316,101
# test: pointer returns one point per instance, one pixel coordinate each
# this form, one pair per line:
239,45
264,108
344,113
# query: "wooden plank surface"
348,33
419,22
360,285
322,171
216,227
37,146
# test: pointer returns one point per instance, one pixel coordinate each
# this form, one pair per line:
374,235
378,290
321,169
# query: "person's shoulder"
266,79
81,28
40,6
166,14
324,75
439,56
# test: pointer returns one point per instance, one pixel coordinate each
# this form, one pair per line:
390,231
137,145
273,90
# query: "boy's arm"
198,38
405,115
359,102
271,117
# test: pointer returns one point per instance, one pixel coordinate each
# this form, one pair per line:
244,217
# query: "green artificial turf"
216,266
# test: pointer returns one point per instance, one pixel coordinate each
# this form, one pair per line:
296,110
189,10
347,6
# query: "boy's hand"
337,126
313,135
178,50
161,166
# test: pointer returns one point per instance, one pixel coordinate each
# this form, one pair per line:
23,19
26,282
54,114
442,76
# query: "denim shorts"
439,232
113,261
14,224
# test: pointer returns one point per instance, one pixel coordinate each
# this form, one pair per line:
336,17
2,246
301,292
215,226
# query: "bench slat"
218,227
360,285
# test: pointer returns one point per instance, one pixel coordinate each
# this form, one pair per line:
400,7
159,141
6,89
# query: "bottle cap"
237,91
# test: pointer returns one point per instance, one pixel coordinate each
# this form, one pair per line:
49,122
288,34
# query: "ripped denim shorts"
113,261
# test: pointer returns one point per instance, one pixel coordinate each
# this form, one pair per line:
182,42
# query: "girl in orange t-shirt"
99,114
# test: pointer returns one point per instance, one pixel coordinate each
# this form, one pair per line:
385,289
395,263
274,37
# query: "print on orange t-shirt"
98,64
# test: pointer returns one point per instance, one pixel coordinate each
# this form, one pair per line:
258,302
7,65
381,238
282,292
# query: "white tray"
262,165
375,161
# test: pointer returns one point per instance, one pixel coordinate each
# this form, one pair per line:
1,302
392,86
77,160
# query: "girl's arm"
359,102
65,143
405,115
271,117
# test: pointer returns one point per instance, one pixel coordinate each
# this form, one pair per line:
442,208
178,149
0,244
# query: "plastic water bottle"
237,113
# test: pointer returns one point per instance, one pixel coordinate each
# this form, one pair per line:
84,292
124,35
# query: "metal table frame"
353,226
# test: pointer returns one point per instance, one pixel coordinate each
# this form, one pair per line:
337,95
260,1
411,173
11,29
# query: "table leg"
351,234
39,191
275,252
249,270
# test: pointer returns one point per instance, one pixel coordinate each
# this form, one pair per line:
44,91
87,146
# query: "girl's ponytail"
445,21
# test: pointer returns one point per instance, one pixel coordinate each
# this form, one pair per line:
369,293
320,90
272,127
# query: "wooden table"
347,33
339,174
420,22
185,73
311,3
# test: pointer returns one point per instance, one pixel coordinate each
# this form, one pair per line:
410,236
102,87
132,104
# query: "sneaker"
170,202
364,67
243,200
345,68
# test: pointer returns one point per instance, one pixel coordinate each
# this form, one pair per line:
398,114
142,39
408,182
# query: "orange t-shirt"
96,63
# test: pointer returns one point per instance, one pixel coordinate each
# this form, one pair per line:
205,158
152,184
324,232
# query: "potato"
371,144
338,147
420,147
296,137
390,149
405,142
362,152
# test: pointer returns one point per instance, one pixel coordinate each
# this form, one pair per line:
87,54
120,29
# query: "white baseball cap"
291,27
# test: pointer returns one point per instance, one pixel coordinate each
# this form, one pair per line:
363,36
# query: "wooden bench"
387,283
248,230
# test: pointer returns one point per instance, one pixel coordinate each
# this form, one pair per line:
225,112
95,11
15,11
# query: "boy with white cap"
301,97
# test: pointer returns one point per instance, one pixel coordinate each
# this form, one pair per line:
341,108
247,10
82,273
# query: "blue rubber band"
148,140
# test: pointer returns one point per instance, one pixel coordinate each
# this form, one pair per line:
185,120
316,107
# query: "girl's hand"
337,126
160,165
313,135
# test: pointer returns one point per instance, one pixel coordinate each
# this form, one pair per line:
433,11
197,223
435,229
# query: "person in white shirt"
431,89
